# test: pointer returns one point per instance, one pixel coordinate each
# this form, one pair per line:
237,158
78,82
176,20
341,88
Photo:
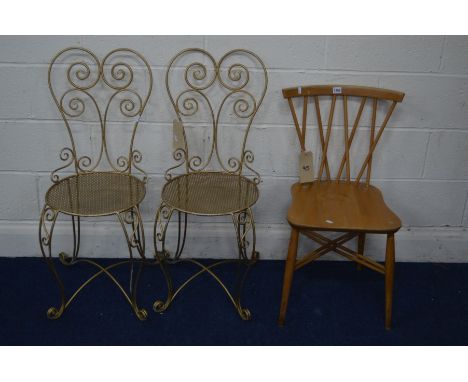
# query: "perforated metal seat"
96,194
210,193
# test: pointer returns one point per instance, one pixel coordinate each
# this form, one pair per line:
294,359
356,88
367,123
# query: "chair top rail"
344,90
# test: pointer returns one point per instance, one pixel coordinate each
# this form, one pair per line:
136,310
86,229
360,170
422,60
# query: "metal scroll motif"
134,237
134,234
245,233
240,103
163,217
46,230
99,88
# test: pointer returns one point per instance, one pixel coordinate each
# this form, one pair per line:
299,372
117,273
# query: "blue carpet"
331,304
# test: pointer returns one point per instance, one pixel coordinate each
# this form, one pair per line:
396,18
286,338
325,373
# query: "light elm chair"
346,203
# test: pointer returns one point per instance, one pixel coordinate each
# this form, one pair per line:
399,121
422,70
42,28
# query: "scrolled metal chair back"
86,89
198,79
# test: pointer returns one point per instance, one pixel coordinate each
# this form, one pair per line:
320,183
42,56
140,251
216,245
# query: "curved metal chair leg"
76,236
138,233
140,241
162,219
135,239
64,257
243,224
49,216
160,306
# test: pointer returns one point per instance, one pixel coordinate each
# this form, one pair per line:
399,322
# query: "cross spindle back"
312,96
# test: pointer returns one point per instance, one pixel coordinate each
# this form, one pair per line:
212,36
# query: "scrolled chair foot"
245,314
65,259
53,313
160,306
141,314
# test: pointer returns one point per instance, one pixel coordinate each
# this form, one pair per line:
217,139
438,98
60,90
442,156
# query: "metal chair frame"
193,192
77,195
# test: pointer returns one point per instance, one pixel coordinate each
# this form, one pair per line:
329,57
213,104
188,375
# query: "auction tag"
306,167
178,141
337,90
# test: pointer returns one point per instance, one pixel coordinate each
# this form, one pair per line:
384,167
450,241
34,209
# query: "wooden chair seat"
340,206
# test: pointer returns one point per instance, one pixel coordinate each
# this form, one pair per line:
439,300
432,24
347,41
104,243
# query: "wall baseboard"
208,240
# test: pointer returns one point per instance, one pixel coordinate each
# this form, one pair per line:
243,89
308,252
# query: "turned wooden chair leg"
360,247
288,273
389,271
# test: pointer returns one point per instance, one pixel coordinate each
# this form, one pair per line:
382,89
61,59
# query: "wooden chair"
346,203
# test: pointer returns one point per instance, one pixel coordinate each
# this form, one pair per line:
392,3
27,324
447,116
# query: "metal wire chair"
87,92
211,184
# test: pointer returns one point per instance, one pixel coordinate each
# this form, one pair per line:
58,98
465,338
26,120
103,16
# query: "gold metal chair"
214,185
348,203
89,92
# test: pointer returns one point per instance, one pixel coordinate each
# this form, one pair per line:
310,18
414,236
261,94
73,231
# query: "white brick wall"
421,164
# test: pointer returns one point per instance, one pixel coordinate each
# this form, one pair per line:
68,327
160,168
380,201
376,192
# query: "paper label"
306,167
178,141
337,90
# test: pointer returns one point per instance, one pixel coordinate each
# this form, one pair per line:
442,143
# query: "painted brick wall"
421,164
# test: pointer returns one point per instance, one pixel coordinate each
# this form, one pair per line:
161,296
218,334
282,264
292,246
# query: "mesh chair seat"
210,193
96,193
